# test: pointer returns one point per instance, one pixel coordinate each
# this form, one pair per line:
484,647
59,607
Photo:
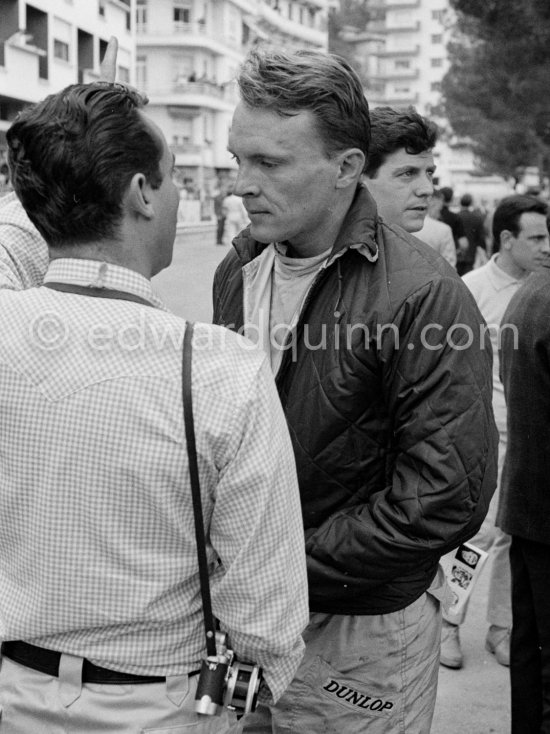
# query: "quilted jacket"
387,392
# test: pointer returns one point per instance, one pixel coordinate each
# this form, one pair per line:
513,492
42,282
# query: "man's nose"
425,187
245,185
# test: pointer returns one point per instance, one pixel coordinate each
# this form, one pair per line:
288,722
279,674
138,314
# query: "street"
473,700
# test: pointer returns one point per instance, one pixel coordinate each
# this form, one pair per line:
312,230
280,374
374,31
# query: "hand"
107,67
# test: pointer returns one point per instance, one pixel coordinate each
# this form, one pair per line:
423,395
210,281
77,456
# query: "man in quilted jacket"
383,367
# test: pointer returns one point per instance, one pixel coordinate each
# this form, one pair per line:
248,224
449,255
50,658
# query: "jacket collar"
357,231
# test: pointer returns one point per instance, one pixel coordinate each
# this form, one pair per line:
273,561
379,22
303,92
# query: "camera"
225,682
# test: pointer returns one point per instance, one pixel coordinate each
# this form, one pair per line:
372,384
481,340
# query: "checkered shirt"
23,253
97,546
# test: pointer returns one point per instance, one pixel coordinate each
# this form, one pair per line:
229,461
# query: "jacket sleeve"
441,465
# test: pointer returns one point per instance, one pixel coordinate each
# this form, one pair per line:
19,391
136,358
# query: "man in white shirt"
521,245
98,563
235,215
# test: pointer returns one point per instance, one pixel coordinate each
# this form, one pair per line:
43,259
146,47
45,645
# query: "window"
60,50
402,64
101,8
233,24
435,87
436,63
124,60
438,15
141,15
62,32
182,68
208,128
182,12
437,38
185,136
141,72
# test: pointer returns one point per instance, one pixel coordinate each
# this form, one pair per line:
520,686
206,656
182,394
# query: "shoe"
498,642
451,654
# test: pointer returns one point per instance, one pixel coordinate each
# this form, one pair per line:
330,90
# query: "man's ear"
139,196
351,164
506,238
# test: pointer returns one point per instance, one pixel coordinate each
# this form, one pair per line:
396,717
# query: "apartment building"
403,55
407,50
47,44
187,56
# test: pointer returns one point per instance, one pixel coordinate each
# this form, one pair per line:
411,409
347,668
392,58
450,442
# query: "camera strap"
186,374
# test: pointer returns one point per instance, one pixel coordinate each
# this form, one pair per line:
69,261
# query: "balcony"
197,34
270,20
198,95
401,4
393,74
186,148
401,101
413,50
408,26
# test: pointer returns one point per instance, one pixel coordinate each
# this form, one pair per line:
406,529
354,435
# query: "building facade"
48,44
403,58
409,53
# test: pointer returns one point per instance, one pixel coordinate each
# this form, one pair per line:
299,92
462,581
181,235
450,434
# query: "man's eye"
268,164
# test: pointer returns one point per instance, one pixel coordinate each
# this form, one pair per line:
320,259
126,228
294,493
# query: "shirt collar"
99,274
499,279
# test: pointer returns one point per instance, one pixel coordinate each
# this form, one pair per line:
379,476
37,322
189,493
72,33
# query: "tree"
497,89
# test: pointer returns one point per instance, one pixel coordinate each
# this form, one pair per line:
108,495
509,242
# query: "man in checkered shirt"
100,608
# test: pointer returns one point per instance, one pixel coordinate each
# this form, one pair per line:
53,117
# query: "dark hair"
466,200
447,194
509,211
73,155
325,84
392,129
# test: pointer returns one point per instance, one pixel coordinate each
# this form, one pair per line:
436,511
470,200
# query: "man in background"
453,220
219,196
520,246
524,511
474,229
400,166
436,233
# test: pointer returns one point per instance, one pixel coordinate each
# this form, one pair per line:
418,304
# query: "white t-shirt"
290,282
275,288
493,289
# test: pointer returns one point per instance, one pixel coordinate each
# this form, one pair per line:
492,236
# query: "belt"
47,661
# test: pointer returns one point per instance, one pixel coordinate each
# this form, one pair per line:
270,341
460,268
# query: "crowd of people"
345,435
